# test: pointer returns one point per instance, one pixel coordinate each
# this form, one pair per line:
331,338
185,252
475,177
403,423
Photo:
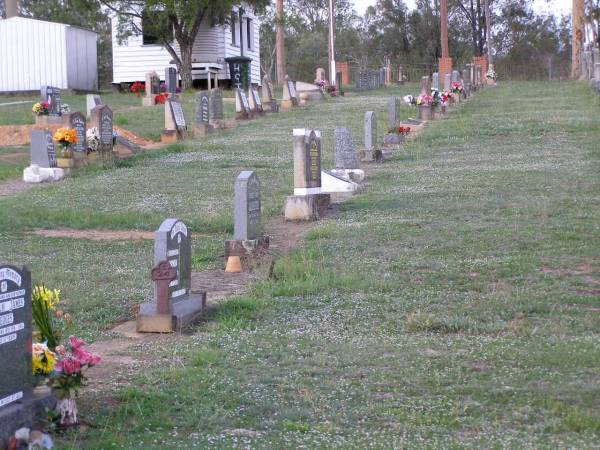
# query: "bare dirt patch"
96,235
13,187
20,134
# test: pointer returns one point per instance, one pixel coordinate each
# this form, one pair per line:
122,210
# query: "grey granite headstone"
370,130
102,119
307,159
216,104
77,122
51,94
455,76
91,101
247,214
292,90
345,156
177,114
256,98
392,112
171,80
202,107
15,336
435,81
425,85
243,101
42,148
447,83
173,243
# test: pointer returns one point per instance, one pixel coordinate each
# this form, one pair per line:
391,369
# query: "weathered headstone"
320,74
51,94
202,125
171,81
43,153
77,122
175,125
370,131
425,86
447,82
290,97
392,112
308,202
435,81
91,101
267,95
242,107
216,104
256,105
455,76
18,407
345,155
247,212
172,244
102,120
152,88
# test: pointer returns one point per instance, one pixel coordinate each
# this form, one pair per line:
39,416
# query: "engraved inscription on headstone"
42,148
171,80
202,107
173,243
292,90
15,334
243,101
77,122
247,212
177,113
307,160
256,98
106,126
216,103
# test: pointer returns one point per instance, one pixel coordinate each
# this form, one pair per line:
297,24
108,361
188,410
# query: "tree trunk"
280,44
185,68
473,28
577,38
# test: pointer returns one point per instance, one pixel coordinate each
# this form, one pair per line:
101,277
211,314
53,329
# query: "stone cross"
15,342
102,120
307,161
216,104
392,112
370,131
91,101
52,95
171,80
162,275
345,156
435,81
247,209
173,243
42,149
202,107
77,122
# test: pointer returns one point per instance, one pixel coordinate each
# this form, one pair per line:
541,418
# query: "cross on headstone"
43,153
247,210
162,275
173,243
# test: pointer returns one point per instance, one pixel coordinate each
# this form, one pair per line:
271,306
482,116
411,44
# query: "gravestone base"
247,248
425,113
37,174
356,175
243,116
394,140
273,106
148,101
48,120
306,207
183,312
338,188
169,136
286,105
202,129
24,413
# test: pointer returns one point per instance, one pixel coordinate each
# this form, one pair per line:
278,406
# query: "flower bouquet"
65,137
42,364
41,108
396,135
161,98
138,88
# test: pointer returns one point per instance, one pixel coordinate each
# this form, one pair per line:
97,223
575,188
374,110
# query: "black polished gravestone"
18,406
171,80
102,120
173,243
42,149
51,94
77,122
202,107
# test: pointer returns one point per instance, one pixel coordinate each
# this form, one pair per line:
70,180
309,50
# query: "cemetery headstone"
77,122
91,101
267,94
345,155
254,101
247,212
242,107
392,112
455,76
435,81
43,153
171,81
172,244
425,87
152,88
216,104
320,74
370,131
202,123
291,91
51,94
175,124
447,83
102,120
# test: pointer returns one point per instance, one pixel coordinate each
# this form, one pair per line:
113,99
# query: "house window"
249,33
156,27
233,29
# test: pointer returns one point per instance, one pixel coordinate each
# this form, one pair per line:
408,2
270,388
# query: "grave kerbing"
181,306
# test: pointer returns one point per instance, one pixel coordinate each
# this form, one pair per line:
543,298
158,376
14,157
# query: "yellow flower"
47,296
42,360
65,136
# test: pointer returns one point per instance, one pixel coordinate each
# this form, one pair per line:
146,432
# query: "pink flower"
69,366
75,343
60,350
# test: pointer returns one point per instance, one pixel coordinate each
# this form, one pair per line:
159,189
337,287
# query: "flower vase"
67,412
66,152
424,112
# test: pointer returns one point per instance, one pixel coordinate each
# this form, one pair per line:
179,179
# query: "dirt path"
13,187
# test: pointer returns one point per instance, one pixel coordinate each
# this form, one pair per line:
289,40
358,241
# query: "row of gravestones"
370,79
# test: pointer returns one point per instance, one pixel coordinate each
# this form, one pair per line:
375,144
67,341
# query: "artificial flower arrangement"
331,90
321,83
138,88
41,108
65,108
61,366
161,98
490,74
93,140
400,130
65,137
456,87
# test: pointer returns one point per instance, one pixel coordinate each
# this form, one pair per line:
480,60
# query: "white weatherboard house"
34,53
140,54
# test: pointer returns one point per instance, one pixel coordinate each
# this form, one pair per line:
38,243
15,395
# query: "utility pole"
280,42
332,71
577,38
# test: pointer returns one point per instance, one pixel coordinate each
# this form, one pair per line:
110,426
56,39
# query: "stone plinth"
183,312
306,207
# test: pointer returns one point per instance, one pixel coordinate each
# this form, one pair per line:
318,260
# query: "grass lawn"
452,304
